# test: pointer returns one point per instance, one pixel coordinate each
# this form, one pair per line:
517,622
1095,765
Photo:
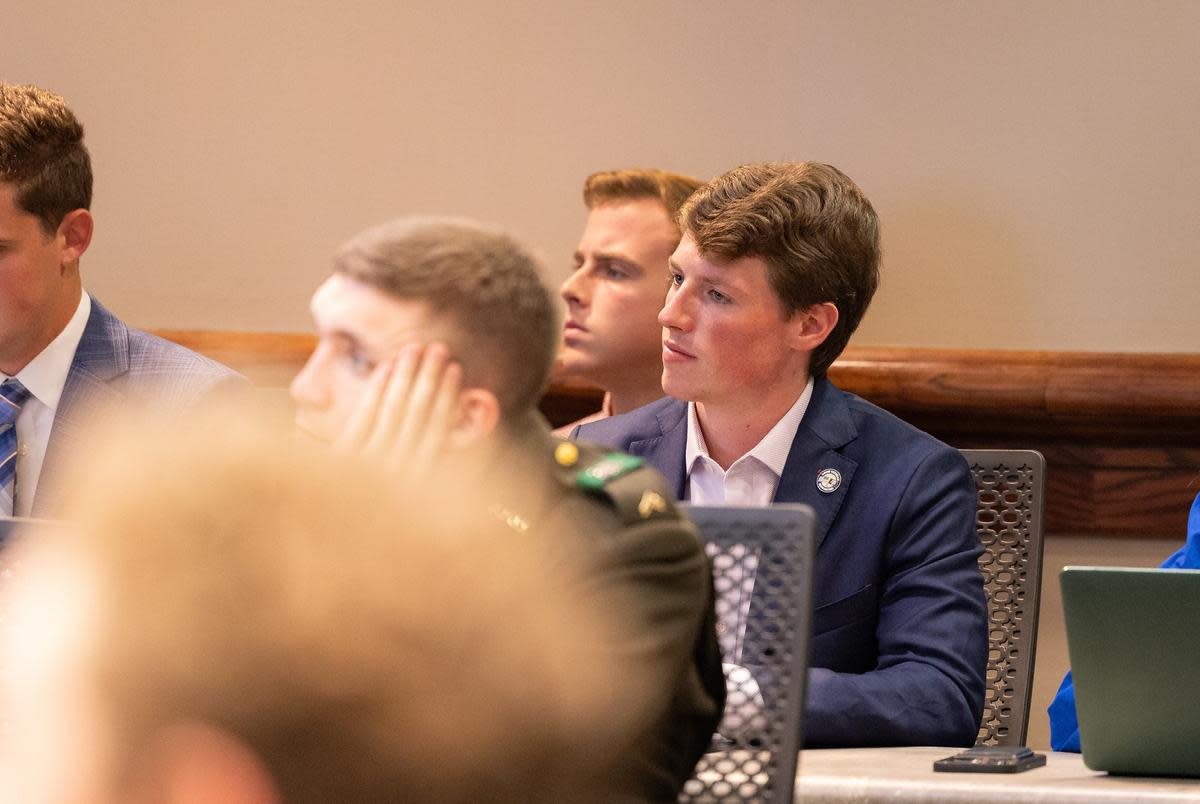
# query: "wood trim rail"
1120,432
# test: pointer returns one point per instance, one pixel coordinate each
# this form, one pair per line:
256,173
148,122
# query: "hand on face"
407,411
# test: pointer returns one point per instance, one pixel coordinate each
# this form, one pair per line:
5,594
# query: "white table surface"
869,775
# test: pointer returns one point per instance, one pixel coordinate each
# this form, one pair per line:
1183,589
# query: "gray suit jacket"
115,364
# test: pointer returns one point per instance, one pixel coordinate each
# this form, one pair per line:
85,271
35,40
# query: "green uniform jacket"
645,557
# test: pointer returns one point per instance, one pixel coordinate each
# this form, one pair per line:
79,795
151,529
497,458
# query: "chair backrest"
1009,523
762,570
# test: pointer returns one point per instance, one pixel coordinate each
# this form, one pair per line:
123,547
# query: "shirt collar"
772,451
46,375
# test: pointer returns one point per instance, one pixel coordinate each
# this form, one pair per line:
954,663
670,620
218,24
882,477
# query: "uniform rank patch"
608,468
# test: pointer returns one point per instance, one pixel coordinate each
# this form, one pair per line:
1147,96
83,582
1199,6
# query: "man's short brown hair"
484,283
815,229
42,154
616,186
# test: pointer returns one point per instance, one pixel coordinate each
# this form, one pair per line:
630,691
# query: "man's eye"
719,297
611,272
676,279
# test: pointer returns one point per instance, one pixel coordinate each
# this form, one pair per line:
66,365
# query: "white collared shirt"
752,478
45,377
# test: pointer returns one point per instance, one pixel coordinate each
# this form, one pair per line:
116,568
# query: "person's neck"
499,462
733,428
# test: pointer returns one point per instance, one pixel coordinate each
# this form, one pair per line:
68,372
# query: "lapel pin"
828,480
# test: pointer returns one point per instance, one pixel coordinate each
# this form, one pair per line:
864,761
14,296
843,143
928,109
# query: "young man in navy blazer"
776,267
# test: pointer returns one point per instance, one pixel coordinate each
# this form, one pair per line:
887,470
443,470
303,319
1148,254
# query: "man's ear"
75,234
813,325
478,417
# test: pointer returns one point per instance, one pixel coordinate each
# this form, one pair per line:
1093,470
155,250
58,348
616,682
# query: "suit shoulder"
878,427
636,425
151,354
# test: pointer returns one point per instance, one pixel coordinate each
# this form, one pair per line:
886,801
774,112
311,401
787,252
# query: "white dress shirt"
752,478
44,377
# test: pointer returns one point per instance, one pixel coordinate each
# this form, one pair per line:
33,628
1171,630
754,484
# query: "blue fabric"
1064,723
899,646
113,365
13,396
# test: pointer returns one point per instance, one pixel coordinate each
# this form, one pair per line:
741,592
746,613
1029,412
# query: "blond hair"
631,184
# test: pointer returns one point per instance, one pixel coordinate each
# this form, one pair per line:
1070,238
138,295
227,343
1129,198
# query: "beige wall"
1035,167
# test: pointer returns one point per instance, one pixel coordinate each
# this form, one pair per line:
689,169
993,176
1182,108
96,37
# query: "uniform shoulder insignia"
635,490
612,466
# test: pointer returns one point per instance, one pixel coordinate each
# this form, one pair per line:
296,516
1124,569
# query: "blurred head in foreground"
240,619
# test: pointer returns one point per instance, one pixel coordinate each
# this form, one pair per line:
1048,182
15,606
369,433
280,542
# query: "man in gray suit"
60,350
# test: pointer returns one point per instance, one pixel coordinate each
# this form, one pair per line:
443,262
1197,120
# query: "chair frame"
763,769
1011,497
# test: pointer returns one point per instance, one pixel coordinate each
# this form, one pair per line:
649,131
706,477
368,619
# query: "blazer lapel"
102,355
825,429
665,452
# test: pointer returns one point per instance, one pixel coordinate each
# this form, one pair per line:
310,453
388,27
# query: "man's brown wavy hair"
810,223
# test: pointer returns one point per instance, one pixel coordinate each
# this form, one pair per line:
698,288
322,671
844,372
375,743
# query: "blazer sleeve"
928,685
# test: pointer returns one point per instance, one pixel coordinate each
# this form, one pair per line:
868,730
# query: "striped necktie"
12,396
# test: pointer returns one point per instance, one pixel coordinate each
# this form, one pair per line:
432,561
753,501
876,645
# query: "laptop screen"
1131,634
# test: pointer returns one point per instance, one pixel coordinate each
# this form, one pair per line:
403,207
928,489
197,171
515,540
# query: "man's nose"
576,289
675,313
307,388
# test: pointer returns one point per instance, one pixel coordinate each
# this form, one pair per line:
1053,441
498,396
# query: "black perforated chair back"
762,570
1009,523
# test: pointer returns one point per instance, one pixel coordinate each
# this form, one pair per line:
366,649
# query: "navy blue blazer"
899,647
113,364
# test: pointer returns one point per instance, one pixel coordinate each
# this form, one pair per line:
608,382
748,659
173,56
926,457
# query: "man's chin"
574,365
674,386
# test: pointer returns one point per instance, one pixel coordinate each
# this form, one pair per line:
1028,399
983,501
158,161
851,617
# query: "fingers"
422,399
361,424
431,439
394,402
408,410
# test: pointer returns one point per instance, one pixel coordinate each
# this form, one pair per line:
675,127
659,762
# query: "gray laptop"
1134,640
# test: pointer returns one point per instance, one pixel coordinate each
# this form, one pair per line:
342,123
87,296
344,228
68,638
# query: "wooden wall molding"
1120,432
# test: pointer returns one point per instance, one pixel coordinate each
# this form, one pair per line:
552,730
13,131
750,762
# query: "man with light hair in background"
611,336
235,619
436,339
61,352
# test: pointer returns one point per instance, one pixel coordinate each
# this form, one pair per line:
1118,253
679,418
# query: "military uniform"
640,551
